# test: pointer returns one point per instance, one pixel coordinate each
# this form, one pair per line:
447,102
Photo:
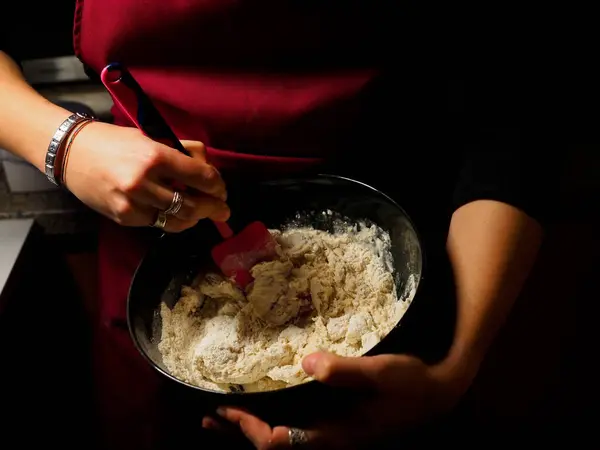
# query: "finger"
172,225
177,225
196,149
192,172
257,431
281,438
204,206
214,424
345,371
326,436
129,213
194,207
211,424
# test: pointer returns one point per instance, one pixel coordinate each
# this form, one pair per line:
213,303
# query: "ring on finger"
176,204
161,220
298,438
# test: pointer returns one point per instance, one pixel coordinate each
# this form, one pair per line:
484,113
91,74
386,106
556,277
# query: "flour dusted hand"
324,291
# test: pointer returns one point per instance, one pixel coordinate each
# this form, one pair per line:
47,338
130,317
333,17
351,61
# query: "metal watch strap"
56,143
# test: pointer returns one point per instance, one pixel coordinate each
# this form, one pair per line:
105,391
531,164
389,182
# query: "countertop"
58,212
13,234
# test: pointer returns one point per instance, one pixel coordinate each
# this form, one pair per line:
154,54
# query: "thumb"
196,148
343,371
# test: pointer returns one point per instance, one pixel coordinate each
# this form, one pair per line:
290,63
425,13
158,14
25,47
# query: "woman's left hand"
406,392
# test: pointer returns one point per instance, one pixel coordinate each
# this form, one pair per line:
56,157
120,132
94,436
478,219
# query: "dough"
324,291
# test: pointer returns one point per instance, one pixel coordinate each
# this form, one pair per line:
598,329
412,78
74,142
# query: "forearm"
492,247
27,120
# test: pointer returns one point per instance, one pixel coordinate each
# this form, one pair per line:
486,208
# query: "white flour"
326,291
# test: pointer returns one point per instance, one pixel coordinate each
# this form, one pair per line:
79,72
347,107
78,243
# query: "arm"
115,170
27,120
503,197
492,247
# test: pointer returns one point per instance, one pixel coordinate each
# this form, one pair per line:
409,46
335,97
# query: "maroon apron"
253,80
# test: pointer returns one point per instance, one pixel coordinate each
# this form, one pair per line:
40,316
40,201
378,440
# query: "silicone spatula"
236,255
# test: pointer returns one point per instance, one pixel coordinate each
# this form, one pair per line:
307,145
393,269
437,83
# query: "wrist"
458,369
35,148
80,124
28,123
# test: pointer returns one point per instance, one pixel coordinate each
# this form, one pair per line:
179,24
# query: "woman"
268,88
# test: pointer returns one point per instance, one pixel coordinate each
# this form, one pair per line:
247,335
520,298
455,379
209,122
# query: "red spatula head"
238,254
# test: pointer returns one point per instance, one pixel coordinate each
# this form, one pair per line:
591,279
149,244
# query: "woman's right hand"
126,176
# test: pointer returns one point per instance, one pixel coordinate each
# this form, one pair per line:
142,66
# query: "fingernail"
309,363
223,196
221,411
222,215
208,423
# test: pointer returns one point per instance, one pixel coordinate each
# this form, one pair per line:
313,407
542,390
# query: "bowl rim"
296,387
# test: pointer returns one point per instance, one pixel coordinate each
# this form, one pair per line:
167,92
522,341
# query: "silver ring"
176,204
161,220
298,438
